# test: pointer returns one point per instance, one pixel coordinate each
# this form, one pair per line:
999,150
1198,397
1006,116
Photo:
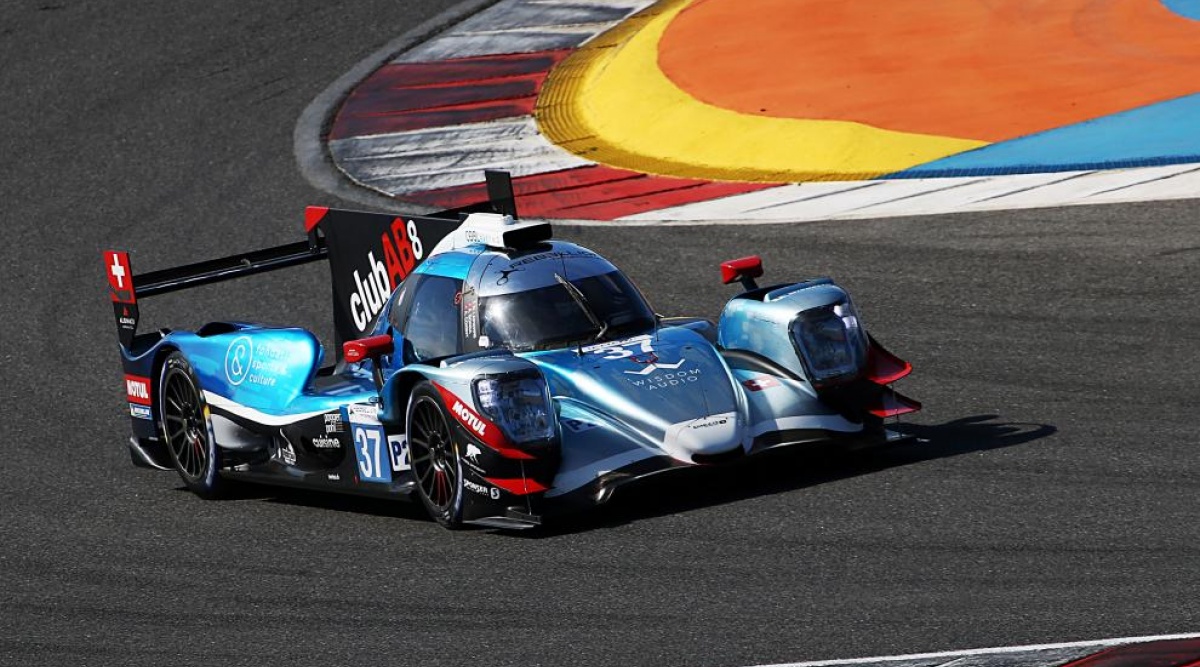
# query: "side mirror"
367,348
744,270
373,347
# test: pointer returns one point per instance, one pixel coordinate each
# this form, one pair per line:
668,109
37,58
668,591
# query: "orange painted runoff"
974,69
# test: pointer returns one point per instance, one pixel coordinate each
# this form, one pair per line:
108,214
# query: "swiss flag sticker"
760,383
120,277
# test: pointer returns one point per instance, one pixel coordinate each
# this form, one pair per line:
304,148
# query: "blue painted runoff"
1188,8
1158,134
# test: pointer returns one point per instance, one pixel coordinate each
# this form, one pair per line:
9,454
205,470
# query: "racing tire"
434,455
185,426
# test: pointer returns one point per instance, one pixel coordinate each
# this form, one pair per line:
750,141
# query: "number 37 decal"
377,454
622,349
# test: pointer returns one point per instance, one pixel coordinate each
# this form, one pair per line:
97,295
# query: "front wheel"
435,461
184,418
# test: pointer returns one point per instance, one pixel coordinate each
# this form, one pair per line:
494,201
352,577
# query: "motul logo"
469,418
371,294
137,389
492,437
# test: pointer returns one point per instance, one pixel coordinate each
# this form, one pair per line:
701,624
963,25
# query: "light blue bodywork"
267,369
763,326
680,394
668,395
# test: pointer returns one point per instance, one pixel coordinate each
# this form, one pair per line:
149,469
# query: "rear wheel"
184,418
434,453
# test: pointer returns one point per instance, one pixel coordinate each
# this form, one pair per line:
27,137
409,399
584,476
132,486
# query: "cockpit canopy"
559,296
554,295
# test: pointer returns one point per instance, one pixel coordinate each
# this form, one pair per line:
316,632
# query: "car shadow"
324,500
785,471
697,488
337,502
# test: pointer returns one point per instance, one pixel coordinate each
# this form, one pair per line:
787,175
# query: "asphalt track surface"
1055,499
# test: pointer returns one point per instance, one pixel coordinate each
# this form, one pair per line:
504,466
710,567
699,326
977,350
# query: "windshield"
549,317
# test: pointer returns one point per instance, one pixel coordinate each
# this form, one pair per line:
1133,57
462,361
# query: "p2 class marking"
398,450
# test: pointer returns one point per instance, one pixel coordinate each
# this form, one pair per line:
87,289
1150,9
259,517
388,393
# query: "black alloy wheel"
434,453
185,428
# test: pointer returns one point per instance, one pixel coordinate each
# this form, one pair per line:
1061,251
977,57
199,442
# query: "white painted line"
961,193
525,26
1099,643
433,159
869,203
246,412
809,192
1161,174
930,196
1184,184
731,207
463,137
630,5
1075,189
475,44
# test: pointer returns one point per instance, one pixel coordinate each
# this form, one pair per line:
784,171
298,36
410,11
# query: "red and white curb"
422,128
439,114
1181,650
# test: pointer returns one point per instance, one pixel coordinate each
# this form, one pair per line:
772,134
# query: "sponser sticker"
477,425
372,453
139,411
760,383
369,255
137,389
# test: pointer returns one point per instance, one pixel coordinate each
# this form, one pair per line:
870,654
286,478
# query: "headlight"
831,342
519,405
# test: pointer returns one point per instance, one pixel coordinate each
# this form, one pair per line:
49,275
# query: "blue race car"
493,373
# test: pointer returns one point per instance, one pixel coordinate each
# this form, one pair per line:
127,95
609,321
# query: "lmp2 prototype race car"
490,372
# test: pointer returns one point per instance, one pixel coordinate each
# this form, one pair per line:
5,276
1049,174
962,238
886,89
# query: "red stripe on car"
521,486
483,429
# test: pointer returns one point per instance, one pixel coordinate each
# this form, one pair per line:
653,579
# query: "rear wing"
368,253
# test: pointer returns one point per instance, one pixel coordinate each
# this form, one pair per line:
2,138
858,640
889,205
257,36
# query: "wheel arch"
155,449
156,366
394,397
